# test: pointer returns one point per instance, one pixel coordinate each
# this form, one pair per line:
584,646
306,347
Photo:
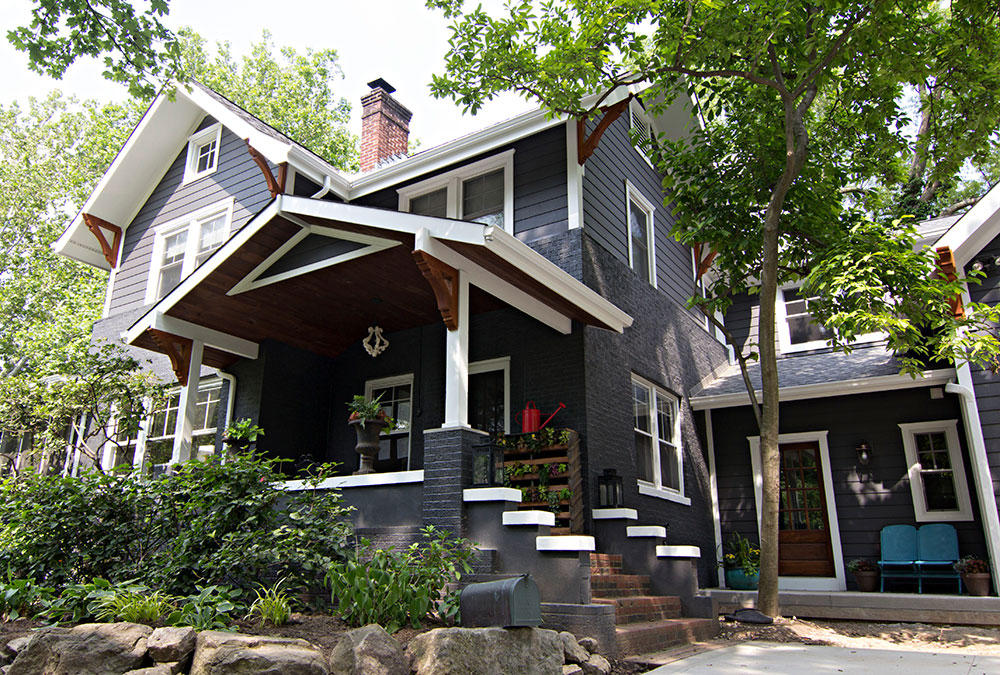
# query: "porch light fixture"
375,343
864,453
609,490
486,470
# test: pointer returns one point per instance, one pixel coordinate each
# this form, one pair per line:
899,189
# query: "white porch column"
187,406
456,369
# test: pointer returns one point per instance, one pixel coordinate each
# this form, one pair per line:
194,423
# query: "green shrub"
211,608
394,588
206,524
134,603
78,602
273,605
22,598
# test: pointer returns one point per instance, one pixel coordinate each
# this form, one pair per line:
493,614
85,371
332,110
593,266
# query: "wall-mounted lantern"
864,453
609,490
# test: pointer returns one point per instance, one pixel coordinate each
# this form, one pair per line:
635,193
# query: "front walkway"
851,605
765,657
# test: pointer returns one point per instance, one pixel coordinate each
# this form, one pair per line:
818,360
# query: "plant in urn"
369,421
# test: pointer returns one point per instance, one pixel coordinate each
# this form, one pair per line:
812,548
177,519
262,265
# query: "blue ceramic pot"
737,579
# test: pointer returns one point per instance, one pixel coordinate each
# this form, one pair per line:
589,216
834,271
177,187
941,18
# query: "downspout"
327,186
230,397
713,487
980,463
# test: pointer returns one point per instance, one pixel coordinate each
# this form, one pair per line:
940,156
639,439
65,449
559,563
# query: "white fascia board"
318,170
864,385
274,150
519,254
212,338
494,285
975,229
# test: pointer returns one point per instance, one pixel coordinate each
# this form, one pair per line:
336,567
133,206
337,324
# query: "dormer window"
203,153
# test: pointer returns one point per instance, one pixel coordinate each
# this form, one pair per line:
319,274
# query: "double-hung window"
159,438
481,192
639,228
936,471
203,153
396,396
183,244
658,447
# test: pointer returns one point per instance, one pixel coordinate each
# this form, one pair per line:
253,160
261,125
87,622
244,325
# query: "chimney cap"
379,83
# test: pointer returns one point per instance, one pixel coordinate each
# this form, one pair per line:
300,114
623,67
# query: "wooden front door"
804,548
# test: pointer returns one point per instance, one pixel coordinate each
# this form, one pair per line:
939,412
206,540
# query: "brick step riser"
605,571
599,592
635,640
644,617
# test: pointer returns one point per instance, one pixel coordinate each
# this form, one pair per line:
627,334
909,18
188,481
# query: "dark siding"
237,176
742,319
604,204
540,206
867,498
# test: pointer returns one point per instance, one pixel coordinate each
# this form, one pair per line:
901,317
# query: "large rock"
368,651
93,648
217,652
16,645
486,651
171,643
596,665
572,651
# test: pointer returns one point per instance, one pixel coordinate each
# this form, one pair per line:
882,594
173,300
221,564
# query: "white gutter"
980,463
323,190
230,398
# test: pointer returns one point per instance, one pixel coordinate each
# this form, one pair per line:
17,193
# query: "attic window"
203,153
641,129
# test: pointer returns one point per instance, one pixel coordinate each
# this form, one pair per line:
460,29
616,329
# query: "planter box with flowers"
975,575
742,562
865,574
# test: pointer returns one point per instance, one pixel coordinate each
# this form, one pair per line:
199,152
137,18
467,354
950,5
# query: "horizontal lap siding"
867,498
237,176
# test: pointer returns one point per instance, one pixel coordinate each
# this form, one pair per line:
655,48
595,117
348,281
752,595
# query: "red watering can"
530,418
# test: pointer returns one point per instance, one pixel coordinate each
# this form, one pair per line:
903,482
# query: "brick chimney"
385,126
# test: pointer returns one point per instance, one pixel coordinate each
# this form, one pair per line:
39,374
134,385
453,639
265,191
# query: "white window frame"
785,337
192,223
491,365
657,489
195,142
632,194
640,123
950,430
452,180
395,381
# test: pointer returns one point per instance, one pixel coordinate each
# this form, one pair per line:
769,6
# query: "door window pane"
394,450
483,199
486,402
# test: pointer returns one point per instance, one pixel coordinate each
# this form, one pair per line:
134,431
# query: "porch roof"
315,274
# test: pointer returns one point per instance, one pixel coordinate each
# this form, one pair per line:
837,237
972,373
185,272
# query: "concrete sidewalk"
774,657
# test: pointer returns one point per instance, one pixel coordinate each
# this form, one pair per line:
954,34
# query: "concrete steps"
655,636
640,608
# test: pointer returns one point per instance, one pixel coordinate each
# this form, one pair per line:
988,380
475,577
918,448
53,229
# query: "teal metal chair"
898,553
937,553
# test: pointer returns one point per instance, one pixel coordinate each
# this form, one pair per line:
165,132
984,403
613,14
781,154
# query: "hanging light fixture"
376,342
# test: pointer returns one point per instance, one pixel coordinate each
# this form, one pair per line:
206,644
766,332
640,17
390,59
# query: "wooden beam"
948,269
177,349
97,226
274,186
443,279
586,146
703,263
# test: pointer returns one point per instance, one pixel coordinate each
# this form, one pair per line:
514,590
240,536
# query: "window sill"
197,176
941,516
651,490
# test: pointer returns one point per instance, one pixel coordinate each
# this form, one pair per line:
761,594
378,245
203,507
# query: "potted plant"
975,574
865,574
369,421
742,562
241,434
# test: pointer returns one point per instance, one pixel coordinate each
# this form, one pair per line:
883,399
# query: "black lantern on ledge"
486,471
610,490
864,453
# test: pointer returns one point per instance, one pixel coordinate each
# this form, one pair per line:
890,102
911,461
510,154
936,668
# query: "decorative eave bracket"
443,279
97,226
948,269
586,145
275,186
703,263
177,349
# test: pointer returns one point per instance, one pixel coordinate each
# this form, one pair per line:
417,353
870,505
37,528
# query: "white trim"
211,337
968,235
950,429
253,280
492,365
453,180
654,488
456,361
784,334
494,494
195,142
675,551
713,488
364,480
632,193
651,490
187,223
838,582
614,514
862,385
514,518
657,531
574,178
565,542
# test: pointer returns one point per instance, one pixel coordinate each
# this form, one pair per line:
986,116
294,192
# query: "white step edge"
678,552
529,518
611,514
646,531
565,542
494,494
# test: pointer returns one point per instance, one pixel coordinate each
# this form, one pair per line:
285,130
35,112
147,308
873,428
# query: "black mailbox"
507,602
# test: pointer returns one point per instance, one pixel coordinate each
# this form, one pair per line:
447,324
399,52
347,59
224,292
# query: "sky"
400,41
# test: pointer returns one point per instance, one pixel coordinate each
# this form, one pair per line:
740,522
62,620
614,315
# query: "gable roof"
973,230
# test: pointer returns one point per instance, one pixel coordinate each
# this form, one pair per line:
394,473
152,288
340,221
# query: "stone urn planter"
977,583
739,580
867,580
368,432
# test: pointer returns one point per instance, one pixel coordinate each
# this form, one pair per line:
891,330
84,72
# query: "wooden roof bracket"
948,269
97,226
703,263
586,145
443,279
276,186
177,349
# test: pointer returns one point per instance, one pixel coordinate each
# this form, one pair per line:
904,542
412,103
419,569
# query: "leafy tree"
291,91
801,102
137,49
